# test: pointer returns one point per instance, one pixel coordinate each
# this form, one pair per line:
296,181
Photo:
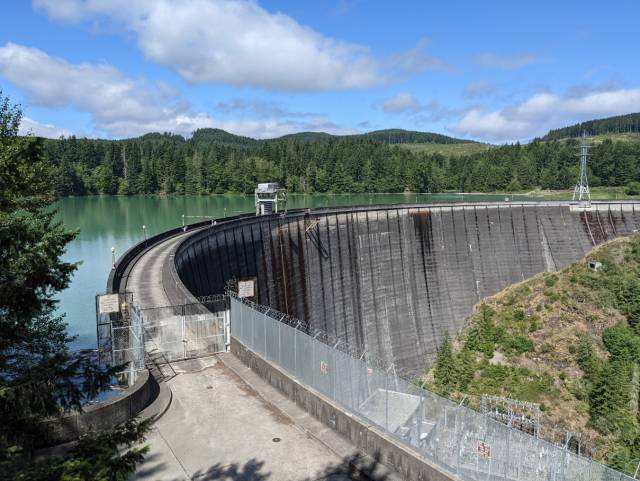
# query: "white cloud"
417,60
259,108
31,127
506,62
544,111
479,88
122,107
403,102
491,126
274,127
119,105
422,113
230,41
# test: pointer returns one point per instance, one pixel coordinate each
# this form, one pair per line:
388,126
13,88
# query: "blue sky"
494,71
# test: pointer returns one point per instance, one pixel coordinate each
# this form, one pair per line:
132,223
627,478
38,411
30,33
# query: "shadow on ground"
356,467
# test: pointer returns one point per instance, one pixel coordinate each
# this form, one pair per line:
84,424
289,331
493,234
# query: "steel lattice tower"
581,190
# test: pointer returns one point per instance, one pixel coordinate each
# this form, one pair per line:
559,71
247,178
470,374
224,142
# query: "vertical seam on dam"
394,280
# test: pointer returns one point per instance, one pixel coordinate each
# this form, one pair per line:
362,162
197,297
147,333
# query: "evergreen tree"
446,373
39,375
217,162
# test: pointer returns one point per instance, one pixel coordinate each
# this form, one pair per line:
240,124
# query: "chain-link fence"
457,438
133,337
186,331
128,346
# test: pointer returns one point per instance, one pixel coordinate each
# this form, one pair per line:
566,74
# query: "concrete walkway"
219,428
147,279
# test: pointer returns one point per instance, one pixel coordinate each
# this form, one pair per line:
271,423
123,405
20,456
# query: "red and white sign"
324,367
484,450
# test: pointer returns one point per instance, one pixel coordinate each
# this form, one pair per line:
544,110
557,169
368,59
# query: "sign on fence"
324,367
246,288
108,303
484,450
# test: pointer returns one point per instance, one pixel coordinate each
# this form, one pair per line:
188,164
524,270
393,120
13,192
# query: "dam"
346,306
393,281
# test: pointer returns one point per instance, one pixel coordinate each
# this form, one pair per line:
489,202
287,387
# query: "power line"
581,190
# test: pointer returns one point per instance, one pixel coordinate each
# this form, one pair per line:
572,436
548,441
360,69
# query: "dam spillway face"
395,280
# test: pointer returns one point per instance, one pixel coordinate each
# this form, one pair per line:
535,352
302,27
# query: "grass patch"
447,149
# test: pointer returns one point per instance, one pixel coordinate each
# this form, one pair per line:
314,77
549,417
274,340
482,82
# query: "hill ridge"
629,123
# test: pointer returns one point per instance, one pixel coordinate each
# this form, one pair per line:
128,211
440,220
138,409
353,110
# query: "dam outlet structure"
392,280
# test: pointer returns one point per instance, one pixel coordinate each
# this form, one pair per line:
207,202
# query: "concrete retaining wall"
393,280
366,437
105,414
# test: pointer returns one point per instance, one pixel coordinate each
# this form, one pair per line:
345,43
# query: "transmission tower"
581,190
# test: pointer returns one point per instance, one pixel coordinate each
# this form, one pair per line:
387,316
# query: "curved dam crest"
394,280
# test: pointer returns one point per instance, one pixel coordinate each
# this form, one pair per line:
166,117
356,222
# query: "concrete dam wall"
395,279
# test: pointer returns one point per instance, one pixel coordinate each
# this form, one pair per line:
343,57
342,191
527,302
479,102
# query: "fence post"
313,362
457,438
506,461
253,329
295,349
279,356
386,404
184,344
420,416
333,372
363,389
227,316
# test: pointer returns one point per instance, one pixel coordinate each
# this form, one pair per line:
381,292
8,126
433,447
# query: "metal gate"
185,331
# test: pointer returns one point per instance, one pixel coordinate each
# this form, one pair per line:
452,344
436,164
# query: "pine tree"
446,373
38,373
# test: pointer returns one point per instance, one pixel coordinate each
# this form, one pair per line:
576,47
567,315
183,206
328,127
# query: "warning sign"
246,288
324,367
108,303
484,450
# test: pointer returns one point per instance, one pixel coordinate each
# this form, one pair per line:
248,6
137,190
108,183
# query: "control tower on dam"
395,280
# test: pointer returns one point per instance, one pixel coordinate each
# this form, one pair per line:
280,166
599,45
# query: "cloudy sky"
495,71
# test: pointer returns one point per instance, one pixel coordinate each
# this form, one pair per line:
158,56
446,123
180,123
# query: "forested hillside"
568,341
216,162
611,125
400,136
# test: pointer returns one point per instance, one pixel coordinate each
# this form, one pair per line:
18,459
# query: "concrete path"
149,286
219,428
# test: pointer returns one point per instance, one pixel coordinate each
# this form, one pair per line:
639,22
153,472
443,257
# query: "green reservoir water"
105,222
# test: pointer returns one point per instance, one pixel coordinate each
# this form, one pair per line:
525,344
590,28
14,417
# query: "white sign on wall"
108,303
246,288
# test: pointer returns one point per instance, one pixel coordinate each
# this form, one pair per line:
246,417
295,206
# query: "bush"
587,359
519,344
485,334
622,343
545,348
551,280
633,188
552,295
